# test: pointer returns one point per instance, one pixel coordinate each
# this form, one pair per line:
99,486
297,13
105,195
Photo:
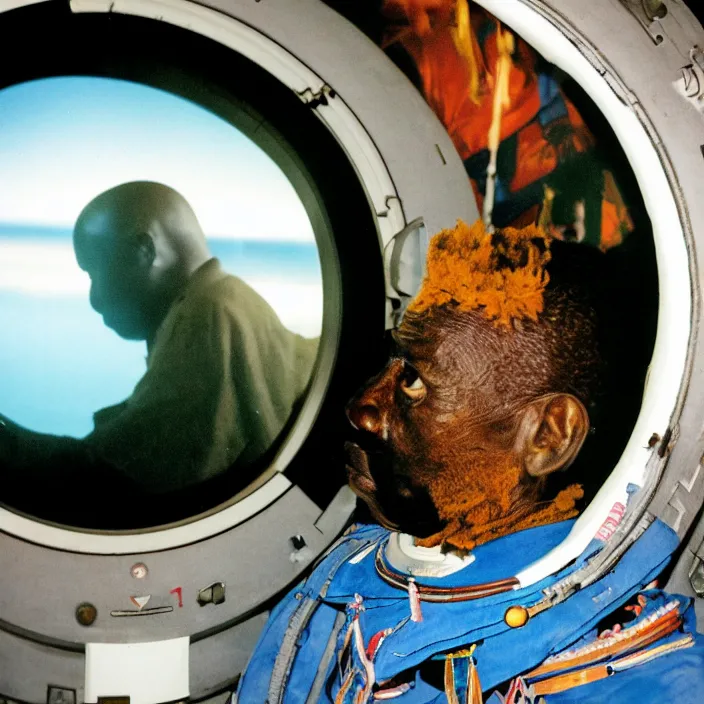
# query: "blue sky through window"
63,141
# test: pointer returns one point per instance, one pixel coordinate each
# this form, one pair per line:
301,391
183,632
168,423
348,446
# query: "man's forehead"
95,220
95,248
426,338
446,341
416,339
434,329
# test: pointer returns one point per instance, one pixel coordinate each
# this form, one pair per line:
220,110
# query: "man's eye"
411,384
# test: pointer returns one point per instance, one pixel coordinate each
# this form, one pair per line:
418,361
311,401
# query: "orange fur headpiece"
501,274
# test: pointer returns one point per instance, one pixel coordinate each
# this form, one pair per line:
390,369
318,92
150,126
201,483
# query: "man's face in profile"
427,422
459,433
484,396
119,289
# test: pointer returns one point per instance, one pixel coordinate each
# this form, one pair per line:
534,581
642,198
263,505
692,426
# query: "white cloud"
299,306
41,268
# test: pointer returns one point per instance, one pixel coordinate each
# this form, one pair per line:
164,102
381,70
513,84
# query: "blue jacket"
347,636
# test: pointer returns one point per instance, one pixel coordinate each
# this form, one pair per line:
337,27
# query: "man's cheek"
415,460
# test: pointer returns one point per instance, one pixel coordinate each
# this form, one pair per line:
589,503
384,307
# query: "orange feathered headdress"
502,274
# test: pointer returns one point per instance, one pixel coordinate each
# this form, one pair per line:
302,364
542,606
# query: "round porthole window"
139,226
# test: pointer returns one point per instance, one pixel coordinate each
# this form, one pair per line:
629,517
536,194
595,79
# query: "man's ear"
145,250
551,433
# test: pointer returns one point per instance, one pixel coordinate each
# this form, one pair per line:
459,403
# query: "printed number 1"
177,592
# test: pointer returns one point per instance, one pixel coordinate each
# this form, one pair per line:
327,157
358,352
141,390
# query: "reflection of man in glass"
223,373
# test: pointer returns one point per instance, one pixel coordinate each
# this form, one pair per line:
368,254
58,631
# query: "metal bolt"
86,614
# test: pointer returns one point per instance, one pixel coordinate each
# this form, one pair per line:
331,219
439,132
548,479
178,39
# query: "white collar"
405,556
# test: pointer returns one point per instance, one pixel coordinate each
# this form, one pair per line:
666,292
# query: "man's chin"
124,330
410,523
374,507
415,515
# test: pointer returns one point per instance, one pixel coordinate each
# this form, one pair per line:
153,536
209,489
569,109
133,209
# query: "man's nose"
364,414
369,409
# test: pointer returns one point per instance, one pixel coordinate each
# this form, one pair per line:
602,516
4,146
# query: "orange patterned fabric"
447,75
454,48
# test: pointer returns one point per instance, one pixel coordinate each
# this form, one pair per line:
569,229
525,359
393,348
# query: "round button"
139,571
86,614
516,616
